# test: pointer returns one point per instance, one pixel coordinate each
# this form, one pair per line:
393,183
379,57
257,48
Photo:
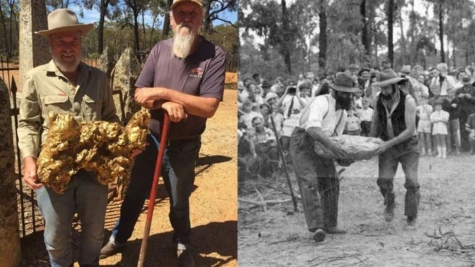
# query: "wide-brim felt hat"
344,83
387,77
62,20
177,2
362,70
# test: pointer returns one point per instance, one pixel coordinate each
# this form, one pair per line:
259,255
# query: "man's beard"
66,67
183,42
343,102
388,96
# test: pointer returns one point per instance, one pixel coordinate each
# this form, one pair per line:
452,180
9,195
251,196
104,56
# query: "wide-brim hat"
271,95
344,83
177,2
266,84
406,69
62,20
387,77
362,70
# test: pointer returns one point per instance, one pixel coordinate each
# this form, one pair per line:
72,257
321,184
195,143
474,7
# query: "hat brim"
390,81
180,2
83,28
344,89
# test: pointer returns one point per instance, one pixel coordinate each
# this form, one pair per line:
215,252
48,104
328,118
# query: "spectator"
366,116
265,144
466,96
439,119
352,123
424,127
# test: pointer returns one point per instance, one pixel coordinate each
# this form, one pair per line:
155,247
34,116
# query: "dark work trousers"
178,172
408,155
318,184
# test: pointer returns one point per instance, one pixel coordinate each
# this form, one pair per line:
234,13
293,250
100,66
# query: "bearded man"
323,117
394,121
65,85
183,76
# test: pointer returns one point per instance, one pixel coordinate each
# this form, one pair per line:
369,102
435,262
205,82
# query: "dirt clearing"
445,234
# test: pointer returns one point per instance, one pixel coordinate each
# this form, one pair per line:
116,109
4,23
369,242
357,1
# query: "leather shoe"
389,212
183,254
110,249
319,235
335,230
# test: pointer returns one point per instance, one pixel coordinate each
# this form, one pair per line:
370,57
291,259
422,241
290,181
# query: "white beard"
66,67
184,37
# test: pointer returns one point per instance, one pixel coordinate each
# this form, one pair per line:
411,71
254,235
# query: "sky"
92,16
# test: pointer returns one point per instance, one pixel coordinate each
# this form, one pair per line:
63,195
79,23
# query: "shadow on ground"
210,240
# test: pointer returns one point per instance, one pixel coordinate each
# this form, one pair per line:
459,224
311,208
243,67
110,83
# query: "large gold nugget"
98,146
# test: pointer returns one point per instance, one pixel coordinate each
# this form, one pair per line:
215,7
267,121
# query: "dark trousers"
318,184
365,128
389,160
178,172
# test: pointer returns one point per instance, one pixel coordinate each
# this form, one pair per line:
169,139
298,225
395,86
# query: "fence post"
10,253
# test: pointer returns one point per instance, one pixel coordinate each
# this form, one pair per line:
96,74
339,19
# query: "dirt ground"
444,235
213,207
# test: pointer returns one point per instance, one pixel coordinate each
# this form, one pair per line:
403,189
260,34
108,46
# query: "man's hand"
175,111
382,147
29,173
145,97
339,151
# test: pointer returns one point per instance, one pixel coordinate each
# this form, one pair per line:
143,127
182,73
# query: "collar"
83,69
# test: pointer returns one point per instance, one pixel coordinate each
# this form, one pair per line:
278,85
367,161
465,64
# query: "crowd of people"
445,101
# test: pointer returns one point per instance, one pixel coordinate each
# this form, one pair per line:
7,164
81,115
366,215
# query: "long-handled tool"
156,175
282,158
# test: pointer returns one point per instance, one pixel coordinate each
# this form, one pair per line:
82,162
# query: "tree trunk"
441,31
144,42
390,32
136,30
403,39
207,20
5,40
322,55
285,46
364,33
100,27
166,22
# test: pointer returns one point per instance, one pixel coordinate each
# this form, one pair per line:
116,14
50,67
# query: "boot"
444,152
439,152
429,152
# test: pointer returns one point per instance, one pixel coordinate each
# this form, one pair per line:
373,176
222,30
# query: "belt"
182,140
176,141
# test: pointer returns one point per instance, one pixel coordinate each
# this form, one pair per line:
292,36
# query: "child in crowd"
424,126
358,100
353,123
440,119
366,116
247,114
470,127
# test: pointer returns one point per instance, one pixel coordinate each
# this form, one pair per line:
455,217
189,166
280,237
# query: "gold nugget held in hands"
98,146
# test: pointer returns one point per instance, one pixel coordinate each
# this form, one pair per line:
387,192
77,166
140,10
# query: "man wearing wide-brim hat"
183,76
323,117
466,105
394,121
65,85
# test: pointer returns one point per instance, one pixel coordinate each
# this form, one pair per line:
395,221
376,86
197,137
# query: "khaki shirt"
47,89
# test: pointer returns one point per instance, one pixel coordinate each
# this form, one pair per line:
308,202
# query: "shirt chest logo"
196,73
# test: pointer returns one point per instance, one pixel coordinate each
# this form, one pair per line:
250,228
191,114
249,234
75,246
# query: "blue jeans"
408,155
178,172
88,198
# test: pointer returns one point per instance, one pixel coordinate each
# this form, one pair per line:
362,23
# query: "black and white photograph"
356,133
